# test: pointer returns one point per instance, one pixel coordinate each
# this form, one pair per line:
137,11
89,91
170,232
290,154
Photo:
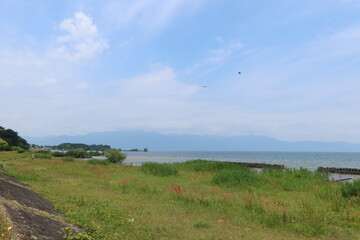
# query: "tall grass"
200,165
240,177
98,161
43,155
159,169
351,189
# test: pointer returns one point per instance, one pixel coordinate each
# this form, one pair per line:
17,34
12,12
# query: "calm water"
310,160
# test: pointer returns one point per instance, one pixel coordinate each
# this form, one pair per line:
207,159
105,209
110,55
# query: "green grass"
203,200
98,161
68,159
159,169
43,155
351,190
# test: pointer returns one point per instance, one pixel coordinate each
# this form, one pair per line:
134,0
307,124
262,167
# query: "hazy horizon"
74,67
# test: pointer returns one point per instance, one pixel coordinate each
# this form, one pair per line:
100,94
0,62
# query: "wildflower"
9,228
131,220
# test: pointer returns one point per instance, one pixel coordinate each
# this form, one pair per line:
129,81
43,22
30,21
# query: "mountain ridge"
177,142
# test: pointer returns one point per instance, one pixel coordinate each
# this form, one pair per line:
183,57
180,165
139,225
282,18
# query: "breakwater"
352,171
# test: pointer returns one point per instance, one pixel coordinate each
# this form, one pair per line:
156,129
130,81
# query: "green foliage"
67,159
76,153
18,149
146,150
241,177
200,165
98,161
43,151
159,169
59,154
3,145
294,179
351,189
121,202
115,155
43,155
72,235
12,138
201,224
85,147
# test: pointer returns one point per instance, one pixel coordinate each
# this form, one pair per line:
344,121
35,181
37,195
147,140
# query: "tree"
12,138
3,145
115,155
146,150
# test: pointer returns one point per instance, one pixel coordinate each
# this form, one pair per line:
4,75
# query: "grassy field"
192,200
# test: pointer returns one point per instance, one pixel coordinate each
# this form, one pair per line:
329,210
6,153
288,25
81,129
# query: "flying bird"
239,72
204,86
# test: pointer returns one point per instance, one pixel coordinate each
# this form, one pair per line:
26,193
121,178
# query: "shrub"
43,151
18,149
115,155
59,154
76,153
3,145
159,169
351,189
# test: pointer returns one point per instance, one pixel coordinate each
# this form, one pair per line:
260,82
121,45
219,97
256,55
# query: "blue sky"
74,67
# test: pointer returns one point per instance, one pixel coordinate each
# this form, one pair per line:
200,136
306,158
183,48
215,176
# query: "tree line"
10,139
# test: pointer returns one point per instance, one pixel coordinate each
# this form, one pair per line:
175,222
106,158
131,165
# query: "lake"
309,160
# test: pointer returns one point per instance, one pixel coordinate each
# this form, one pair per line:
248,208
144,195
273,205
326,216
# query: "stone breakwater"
352,171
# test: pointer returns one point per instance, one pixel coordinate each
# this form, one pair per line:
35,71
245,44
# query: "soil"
30,216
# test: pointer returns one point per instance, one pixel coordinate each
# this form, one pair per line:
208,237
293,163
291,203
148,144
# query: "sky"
73,67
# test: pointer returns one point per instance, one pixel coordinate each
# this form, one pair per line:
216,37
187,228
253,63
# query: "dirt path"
30,216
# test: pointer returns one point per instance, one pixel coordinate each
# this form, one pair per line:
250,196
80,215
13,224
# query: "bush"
159,169
115,155
3,145
59,154
43,151
76,153
18,149
351,189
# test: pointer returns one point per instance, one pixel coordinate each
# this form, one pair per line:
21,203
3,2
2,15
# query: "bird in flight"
204,86
239,72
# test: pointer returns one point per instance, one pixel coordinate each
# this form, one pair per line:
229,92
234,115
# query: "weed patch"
159,169
97,161
201,224
349,190
242,177
67,159
43,155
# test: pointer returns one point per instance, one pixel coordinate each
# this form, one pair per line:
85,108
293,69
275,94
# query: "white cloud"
221,54
83,40
216,57
159,82
149,15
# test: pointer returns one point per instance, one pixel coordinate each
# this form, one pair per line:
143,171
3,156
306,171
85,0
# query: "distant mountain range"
158,141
